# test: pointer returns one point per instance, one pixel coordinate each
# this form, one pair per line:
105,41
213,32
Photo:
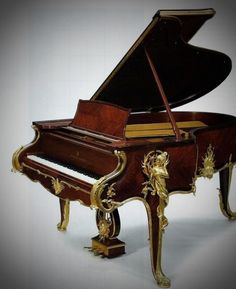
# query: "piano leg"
157,222
106,244
225,181
65,210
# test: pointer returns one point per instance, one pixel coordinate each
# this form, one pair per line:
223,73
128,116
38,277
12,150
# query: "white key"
63,169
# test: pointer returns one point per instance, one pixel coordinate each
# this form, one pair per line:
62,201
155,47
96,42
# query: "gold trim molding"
209,162
16,166
108,205
57,184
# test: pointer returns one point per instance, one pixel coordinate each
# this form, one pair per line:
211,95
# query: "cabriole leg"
157,223
225,181
156,195
65,210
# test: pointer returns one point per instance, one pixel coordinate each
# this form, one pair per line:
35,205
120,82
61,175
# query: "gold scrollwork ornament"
107,205
57,186
208,163
154,167
16,165
104,228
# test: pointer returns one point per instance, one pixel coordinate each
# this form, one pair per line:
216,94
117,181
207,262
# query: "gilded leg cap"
61,227
163,281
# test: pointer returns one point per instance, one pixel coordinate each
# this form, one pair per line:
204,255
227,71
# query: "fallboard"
76,153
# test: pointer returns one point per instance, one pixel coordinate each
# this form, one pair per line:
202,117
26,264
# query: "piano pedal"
88,248
95,252
109,248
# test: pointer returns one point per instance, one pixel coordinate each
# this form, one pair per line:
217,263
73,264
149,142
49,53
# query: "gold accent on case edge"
77,188
15,158
61,226
56,183
57,186
193,185
99,187
208,163
154,167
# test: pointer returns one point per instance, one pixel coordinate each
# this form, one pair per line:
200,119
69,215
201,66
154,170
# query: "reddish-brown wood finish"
97,155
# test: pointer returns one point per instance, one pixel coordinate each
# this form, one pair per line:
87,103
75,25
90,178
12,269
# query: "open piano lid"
186,72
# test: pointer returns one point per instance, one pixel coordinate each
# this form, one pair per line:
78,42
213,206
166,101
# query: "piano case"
126,143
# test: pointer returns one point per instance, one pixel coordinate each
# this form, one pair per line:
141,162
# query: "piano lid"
186,72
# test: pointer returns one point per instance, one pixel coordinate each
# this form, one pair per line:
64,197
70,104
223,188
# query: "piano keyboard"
79,174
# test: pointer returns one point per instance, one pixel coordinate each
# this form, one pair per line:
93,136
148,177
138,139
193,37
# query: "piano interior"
126,143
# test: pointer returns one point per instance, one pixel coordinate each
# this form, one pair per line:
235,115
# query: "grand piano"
126,143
